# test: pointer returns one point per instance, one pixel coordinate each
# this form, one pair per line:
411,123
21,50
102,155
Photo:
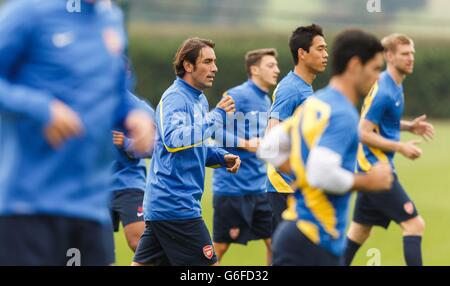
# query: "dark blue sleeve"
16,33
178,131
215,157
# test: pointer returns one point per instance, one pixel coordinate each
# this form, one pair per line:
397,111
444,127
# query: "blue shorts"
278,202
54,241
239,219
176,243
126,207
292,248
381,208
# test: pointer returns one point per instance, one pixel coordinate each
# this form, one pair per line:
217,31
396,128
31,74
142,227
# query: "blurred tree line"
356,11
226,12
236,12
426,91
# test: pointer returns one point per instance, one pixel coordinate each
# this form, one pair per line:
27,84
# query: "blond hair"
391,42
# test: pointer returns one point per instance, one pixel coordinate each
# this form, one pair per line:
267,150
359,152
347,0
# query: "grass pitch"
427,180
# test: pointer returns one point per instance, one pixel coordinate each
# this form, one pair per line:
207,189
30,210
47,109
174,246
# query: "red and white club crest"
208,251
409,208
113,41
234,233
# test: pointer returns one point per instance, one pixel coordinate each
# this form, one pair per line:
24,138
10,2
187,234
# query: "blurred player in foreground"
62,89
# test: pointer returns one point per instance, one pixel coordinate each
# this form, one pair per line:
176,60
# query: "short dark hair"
302,38
189,51
253,58
353,43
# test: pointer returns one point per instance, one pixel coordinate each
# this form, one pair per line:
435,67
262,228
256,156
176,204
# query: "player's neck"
305,73
396,75
190,81
260,84
346,87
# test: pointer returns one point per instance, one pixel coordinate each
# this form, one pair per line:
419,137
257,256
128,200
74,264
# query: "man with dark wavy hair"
175,232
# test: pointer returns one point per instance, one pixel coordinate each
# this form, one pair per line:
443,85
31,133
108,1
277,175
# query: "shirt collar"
192,90
256,88
299,77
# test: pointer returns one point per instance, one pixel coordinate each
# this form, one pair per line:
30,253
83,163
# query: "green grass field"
427,181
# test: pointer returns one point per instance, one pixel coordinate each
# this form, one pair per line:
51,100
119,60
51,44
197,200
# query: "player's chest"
196,111
73,45
395,112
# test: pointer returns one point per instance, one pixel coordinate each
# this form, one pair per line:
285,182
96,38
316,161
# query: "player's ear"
354,65
301,54
254,70
388,55
188,67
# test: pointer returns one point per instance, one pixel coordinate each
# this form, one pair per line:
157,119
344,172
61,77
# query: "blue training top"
327,120
47,53
129,170
383,106
290,93
177,171
249,121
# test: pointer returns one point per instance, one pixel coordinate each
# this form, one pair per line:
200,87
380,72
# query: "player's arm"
126,144
272,123
324,164
232,139
372,118
140,129
250,145
218,157
419,126
324,171
282,108
179,133
275,147
375,140
59,122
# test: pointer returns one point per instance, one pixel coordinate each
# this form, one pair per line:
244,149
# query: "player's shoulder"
340,107
140,102
238,92
293,86
285,87
381,92
111,11
27,8
385,86
242,94
175,93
